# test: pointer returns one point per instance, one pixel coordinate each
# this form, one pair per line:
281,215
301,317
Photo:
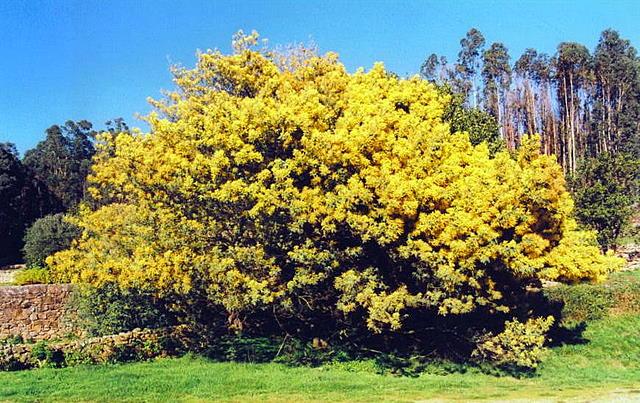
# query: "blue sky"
97,60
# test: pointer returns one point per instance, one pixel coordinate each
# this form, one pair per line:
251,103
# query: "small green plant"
46,356
12,340
243,349
34,275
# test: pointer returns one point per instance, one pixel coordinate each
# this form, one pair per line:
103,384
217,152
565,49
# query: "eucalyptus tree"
524,72
617,107
496,75
435,69
469,64
62,161
573,67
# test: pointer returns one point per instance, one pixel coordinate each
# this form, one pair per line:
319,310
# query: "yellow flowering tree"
282,181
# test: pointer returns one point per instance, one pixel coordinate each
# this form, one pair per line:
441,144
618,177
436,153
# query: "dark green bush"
242,349
581,302
46,236
110,310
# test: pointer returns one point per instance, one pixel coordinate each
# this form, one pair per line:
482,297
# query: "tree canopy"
62,161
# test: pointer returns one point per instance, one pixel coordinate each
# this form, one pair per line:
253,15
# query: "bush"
47,236
326,201
109,310
243,349
519,346
581,302
33,275
44,355
588,302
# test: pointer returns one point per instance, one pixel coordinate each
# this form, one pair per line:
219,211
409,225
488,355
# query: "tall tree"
436,69
117,125
11,189
525,73
468,65
605,189
22,200
496,74
62,161
572,69
617,104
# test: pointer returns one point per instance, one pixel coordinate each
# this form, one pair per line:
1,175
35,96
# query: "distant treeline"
582,103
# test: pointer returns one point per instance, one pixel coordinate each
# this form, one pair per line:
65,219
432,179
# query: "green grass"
605,367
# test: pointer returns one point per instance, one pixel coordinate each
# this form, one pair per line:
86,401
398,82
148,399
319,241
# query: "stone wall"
34,311
136,345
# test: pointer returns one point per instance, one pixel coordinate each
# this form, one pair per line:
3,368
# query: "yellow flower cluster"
518,345
294,183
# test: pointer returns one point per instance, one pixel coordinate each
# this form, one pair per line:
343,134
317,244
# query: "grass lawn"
607,367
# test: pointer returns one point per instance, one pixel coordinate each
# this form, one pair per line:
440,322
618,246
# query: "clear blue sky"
96,60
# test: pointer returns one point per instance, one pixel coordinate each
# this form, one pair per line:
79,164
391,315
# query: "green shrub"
46,236
34,275
109,310
12,340
581,302
588,302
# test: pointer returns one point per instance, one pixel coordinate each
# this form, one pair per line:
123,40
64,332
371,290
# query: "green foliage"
581,302
44,355
589,302
480,125
12,340
11,184
110,310
605,189
47,236
63,160
33,275
243,349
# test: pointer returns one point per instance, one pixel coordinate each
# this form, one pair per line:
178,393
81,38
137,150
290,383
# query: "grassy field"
605,367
